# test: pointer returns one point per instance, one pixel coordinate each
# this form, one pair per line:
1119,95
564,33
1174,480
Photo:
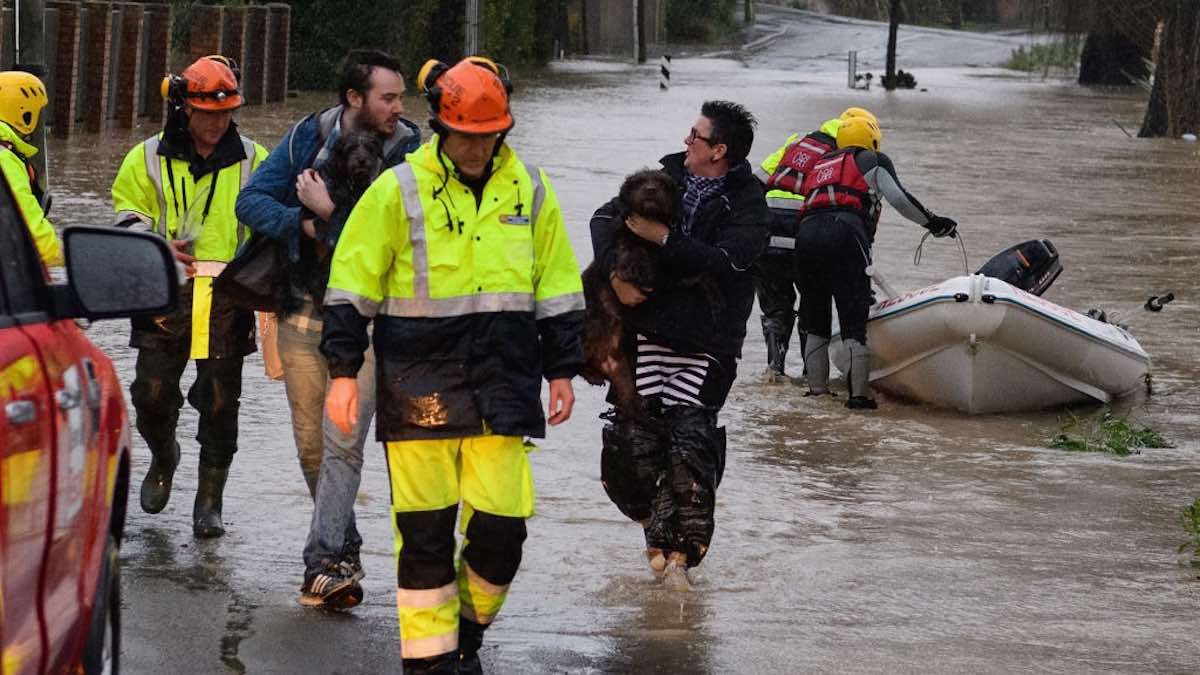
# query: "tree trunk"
889,77
583,7
1175,99
1155,122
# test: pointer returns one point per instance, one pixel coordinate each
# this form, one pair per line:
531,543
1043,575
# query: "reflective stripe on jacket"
160,194
473,305
14,154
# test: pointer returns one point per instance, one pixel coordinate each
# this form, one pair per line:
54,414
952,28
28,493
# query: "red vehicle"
65,441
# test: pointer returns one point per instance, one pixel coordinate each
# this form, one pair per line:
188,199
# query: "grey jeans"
330,460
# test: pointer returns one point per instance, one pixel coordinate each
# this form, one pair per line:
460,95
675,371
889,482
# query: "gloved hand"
341,403
941,226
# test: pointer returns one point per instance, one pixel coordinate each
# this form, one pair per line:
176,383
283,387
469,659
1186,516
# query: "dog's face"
358,158
651,194
636,263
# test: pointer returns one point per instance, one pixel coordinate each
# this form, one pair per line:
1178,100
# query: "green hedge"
700,20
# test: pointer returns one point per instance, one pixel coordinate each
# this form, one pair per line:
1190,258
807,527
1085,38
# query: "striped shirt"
678,378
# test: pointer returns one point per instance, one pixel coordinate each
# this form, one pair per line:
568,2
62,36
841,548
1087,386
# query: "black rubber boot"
777,349
156,486
470,639
442,664
206,512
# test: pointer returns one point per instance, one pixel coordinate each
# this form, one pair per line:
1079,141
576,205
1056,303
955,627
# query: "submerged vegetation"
1106,433
1060,54
1191,525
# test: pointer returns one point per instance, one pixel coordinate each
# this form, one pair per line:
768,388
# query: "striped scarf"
699,190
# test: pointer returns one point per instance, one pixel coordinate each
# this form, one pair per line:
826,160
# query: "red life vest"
835,182
797,159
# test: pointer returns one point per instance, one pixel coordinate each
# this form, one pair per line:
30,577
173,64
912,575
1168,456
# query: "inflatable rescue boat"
982,345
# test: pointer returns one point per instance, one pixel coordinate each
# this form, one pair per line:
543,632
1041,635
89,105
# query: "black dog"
650,194
356,160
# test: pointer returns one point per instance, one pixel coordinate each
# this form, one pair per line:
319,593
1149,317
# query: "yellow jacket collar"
10,136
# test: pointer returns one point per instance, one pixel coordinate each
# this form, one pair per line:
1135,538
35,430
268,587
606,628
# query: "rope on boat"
962,247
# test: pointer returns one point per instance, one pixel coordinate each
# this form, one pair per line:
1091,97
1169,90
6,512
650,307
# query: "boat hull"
980,345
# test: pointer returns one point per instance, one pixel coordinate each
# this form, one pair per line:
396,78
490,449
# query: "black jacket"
728,234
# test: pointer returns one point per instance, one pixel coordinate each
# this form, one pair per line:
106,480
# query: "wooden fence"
105,60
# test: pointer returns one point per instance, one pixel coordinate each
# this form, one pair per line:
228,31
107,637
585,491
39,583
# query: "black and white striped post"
664,72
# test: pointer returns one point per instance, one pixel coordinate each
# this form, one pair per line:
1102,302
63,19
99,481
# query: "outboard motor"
1030,266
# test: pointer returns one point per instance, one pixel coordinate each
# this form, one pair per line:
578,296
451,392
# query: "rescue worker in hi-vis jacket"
22,98
182,184
461,258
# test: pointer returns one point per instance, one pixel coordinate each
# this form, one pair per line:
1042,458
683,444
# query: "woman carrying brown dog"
664,455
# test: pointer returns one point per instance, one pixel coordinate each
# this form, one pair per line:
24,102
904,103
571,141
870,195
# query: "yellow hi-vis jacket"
14,155
157,192
785,199
472,303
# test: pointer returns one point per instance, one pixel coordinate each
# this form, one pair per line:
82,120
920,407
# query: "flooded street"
908,539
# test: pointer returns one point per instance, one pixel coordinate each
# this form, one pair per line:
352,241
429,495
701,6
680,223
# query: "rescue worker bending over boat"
844,192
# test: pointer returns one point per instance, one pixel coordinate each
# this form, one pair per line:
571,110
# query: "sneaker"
675,576
335,587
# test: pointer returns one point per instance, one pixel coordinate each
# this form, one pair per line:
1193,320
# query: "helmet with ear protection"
211,83
470,97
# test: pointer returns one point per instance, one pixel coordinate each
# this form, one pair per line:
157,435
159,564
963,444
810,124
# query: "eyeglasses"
695,136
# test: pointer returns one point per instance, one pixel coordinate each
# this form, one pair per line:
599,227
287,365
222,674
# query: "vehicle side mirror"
114,272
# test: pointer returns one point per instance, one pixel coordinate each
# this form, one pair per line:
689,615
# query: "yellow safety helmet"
858,112
22,97
859,132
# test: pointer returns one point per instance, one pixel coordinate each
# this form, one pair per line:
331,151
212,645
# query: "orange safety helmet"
470,97
208,84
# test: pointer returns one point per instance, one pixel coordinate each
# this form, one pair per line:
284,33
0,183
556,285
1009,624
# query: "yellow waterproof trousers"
490,475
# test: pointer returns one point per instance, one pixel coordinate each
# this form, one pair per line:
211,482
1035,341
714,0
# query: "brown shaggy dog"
650,194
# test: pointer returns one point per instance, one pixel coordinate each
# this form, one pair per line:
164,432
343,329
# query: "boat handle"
988,298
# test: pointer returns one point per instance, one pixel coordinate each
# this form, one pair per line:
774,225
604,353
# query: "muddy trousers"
215,394
662,469
777,286
490,475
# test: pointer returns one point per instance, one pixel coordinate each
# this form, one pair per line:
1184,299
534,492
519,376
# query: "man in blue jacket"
284,200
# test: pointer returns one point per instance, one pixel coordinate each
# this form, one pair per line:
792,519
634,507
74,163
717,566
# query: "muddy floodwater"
908,539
